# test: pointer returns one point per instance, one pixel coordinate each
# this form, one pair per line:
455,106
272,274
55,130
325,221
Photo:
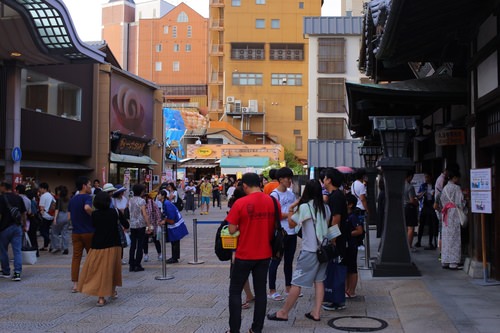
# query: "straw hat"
108,187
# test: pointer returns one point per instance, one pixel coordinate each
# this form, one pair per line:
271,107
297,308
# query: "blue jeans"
239,275
288,254
14,235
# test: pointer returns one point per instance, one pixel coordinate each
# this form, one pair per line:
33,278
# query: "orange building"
258,69
161,43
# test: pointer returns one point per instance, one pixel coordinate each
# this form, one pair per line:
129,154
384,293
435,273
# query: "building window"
158,66
188,47
260,2
247,51
296,132
331,128
190,31
44,94
331,95
236,3
331,55
286,52
176,47
298,143
174,31
176,66
158,47
182,17
165,29
260,23
298,113
301,5
247,79
286,79
275,24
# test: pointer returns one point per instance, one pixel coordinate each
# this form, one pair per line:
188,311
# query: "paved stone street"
196,299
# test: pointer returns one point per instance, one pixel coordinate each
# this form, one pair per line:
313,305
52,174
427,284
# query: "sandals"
114,296
347,295
310,316
275,297
274,316
245,306
101,302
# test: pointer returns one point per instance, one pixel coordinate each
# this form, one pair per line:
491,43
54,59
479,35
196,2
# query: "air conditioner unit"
230,99
253,105
245,109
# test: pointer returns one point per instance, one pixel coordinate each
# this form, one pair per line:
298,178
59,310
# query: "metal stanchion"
195,244
367,258
164,275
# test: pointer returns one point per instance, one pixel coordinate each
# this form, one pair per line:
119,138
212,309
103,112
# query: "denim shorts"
205,200
308,270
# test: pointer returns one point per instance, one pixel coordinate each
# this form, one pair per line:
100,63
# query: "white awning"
130,159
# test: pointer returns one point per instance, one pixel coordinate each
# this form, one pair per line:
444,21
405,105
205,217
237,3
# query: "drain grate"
357,324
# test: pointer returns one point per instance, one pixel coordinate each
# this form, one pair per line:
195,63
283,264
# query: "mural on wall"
131,108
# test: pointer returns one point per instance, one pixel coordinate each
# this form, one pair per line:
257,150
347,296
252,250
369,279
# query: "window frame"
331,95
328,127
332,55
299,112
174,31
246,79
260,20
176,66
291,79
274,21
236,3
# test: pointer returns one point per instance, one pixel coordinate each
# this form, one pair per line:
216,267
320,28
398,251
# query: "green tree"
291,161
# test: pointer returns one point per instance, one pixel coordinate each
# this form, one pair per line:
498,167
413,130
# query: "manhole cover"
357,324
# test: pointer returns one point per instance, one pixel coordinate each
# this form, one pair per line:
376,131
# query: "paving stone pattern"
196,299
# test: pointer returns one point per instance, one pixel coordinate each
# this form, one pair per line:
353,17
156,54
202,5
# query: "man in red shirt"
253,216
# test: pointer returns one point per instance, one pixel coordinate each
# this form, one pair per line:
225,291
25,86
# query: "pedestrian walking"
12,227
253,216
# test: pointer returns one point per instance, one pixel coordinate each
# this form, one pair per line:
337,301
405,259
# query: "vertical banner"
163,177
149,179
126,180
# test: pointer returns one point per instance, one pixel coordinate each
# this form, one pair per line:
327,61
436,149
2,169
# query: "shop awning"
202,163
130,159
233,165
51,165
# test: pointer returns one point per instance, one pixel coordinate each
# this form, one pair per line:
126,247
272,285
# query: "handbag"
121,233
28,253
325,251
462,217
278,240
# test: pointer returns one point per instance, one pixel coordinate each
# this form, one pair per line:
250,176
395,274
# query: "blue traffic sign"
16,154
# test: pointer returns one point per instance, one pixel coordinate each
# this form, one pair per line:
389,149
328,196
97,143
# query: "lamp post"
370,155
394,258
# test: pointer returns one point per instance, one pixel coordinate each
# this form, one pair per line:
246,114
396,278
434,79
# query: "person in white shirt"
46,200
286,198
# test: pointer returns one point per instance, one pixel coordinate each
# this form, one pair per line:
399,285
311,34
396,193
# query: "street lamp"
394,258
370,154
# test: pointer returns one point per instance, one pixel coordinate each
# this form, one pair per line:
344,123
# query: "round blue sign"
16,154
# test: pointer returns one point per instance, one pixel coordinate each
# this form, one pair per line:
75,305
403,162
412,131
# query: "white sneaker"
160,257
146,258
361,248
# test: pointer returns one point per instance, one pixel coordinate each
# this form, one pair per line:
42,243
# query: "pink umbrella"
345,169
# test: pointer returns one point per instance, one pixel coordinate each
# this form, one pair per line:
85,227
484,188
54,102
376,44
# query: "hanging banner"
104,175
126,180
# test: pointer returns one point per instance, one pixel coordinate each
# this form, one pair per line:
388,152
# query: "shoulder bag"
121,233
325,251
278,241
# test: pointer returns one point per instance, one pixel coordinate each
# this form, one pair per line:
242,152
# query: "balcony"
217,49
216,24
216,3
216,78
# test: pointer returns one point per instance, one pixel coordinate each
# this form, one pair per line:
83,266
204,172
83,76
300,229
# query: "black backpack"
221,253
15,213
179,204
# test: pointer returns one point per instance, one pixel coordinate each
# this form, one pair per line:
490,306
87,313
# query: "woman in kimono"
451,200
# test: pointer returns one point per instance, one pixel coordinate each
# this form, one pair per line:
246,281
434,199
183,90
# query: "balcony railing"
217,49
216,24
217,77
217,3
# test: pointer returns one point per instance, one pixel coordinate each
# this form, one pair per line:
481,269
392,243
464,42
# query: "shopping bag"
335,283
28,252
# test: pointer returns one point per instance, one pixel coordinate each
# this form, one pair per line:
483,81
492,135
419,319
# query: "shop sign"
203,152
450,137
130,146
17,179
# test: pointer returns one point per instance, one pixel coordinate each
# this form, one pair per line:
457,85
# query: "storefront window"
44,94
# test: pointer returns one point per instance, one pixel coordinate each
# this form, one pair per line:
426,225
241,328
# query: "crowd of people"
98,214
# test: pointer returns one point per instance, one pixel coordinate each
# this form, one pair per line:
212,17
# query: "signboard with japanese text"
450,137
480,191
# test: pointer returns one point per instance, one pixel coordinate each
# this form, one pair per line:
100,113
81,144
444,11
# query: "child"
352,251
